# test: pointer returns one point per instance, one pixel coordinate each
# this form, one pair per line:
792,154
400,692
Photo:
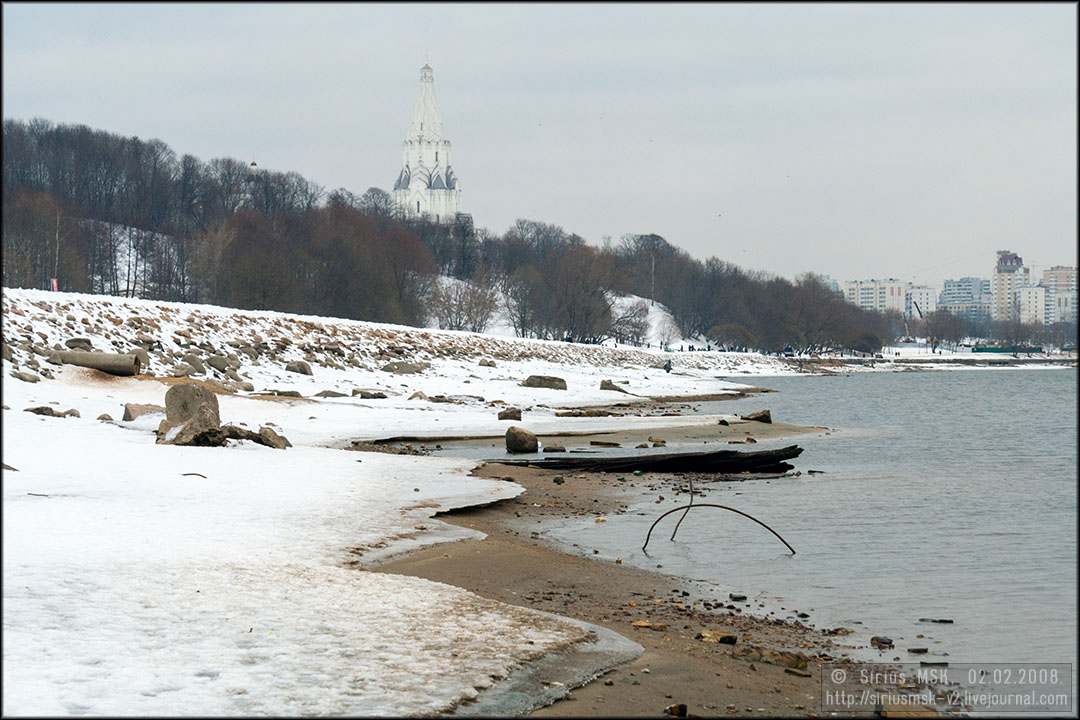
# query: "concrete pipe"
112,363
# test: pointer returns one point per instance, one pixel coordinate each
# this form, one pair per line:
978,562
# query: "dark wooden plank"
720,461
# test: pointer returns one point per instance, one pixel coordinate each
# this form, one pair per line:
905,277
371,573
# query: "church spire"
426,120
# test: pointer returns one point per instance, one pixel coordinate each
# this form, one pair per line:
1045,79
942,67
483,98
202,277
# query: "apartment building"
877,295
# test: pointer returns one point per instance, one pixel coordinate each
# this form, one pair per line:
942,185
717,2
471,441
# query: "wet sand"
514,566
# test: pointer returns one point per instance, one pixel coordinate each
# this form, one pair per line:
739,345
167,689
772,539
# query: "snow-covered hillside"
661,329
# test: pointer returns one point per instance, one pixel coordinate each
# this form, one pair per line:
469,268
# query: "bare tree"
378,205
668,331
731,336
462,305
632,326
526,298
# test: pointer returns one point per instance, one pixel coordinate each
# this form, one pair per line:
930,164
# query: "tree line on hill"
126,216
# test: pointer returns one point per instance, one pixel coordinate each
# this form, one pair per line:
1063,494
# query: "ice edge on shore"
531,686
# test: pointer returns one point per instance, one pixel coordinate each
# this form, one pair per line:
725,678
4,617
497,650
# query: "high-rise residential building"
1060,284
426,187
1009,275
877,295
1062,307
1059,278
922,295
968,297
1031,304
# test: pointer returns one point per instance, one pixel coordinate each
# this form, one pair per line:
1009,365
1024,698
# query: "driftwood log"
111,363
717,461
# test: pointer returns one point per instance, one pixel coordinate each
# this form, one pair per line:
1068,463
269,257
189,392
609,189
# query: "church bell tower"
426,187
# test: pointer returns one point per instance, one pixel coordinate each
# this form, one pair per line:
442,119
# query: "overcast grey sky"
909,140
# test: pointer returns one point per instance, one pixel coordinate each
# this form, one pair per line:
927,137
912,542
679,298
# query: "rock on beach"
520,440
544,381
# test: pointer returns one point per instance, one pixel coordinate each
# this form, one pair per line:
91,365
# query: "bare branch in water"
686,508
684,514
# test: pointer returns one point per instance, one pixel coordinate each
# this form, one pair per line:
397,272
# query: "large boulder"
184,399
520,440
218,362
272,439
760,416
134,410
202,429
79,344
195,362
400,367
182,370
544,381
298,366
510,413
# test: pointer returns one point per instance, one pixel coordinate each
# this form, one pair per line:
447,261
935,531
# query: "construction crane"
929,336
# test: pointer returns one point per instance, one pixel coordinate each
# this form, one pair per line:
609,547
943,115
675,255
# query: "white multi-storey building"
426,187
923,295
1031,304
877,295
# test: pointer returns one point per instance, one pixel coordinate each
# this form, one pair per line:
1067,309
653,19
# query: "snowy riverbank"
148,579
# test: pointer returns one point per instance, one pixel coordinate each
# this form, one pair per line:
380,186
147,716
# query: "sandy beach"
663,614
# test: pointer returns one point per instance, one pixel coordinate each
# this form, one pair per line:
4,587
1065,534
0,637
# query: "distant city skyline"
1035,270
857,141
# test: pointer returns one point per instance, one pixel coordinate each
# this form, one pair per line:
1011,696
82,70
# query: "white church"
427,186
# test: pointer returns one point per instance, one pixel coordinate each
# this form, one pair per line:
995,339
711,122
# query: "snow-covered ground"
145,579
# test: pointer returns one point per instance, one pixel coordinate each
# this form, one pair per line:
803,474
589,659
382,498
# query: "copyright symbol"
838,676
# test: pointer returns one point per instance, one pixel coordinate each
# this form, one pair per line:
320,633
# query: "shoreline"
513,565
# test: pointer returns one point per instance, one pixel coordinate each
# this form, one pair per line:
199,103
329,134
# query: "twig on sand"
686,509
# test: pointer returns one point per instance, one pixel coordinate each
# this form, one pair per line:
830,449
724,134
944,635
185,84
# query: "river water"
946,495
